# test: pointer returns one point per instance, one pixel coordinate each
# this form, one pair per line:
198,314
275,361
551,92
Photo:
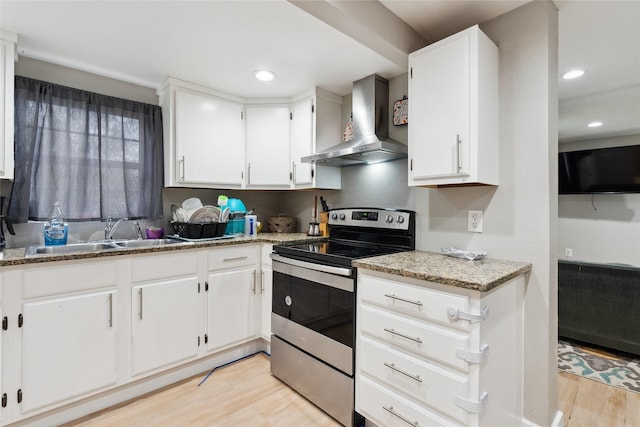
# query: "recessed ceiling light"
264,75
573,74
594,124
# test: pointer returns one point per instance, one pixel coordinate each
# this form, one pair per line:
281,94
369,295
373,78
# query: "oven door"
314,311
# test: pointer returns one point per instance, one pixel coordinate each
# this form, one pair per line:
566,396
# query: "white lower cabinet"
68,347
87,334
164,323
431,354
233,299
63,322
165,310
232,308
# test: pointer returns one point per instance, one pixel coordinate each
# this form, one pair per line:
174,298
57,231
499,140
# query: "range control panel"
393,219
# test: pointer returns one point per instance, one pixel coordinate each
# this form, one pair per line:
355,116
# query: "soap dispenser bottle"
55,229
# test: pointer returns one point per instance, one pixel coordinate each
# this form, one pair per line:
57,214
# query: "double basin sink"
101,245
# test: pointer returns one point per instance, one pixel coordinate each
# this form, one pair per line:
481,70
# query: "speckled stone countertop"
16,256
482,275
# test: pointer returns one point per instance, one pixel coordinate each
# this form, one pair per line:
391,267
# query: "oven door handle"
341,271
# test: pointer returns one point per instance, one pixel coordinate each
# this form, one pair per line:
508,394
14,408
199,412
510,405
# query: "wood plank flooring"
588,403
245,394
240,394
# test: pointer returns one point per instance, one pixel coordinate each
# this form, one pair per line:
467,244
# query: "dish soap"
55,229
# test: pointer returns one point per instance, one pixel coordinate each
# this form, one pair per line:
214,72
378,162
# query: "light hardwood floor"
588,403
245,394
240,394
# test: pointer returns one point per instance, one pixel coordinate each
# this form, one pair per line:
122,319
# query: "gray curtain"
98,156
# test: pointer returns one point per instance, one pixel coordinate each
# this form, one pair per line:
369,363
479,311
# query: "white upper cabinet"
316,125
7,64
203,137
215,140
268,136
453,114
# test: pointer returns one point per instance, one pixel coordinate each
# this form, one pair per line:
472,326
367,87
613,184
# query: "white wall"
520,215
600,228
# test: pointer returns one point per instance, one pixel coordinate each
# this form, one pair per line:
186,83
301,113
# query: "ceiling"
323,43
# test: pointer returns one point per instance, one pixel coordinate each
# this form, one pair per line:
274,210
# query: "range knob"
400,219
342,217
389,219
334,216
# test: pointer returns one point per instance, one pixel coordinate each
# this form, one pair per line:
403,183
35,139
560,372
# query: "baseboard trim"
558,421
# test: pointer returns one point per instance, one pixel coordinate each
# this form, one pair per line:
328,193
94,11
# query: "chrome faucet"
138,230
111,226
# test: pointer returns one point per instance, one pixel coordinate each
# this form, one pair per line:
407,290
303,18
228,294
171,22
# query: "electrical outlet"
475,221
568,252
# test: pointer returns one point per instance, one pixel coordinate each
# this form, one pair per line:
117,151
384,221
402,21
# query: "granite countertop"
482,275
16,256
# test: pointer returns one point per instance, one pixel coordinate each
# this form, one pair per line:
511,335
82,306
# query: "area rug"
599,365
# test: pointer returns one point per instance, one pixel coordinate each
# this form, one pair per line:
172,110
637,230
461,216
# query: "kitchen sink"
103,245
69,249
145,243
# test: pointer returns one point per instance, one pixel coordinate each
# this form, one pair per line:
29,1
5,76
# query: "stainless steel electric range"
313,306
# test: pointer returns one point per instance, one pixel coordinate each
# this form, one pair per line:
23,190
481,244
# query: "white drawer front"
163,265
416,301
233,256
416,379
386,408
420,338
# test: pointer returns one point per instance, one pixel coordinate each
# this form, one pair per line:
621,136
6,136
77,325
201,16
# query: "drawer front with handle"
414,378
424,340
233,256
389,409
415,301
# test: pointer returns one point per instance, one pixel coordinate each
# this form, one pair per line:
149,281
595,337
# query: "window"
98,156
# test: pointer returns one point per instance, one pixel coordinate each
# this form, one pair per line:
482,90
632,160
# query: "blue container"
235,226
55,236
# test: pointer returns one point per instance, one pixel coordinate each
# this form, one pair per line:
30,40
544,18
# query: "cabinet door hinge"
5,323
411,72
312,172
313,108
198,340
19,395
20,320
411,164
290,115
206,286
4,400
206,338
241,115
198,287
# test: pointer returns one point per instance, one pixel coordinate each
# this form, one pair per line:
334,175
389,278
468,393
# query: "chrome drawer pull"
111,310
140,295
394,297
474,407
393,367
393,331
238,258
455,314
390,410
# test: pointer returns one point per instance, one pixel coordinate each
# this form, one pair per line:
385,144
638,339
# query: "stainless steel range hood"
370,142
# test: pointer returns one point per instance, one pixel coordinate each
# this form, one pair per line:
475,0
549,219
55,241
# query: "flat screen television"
603,170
